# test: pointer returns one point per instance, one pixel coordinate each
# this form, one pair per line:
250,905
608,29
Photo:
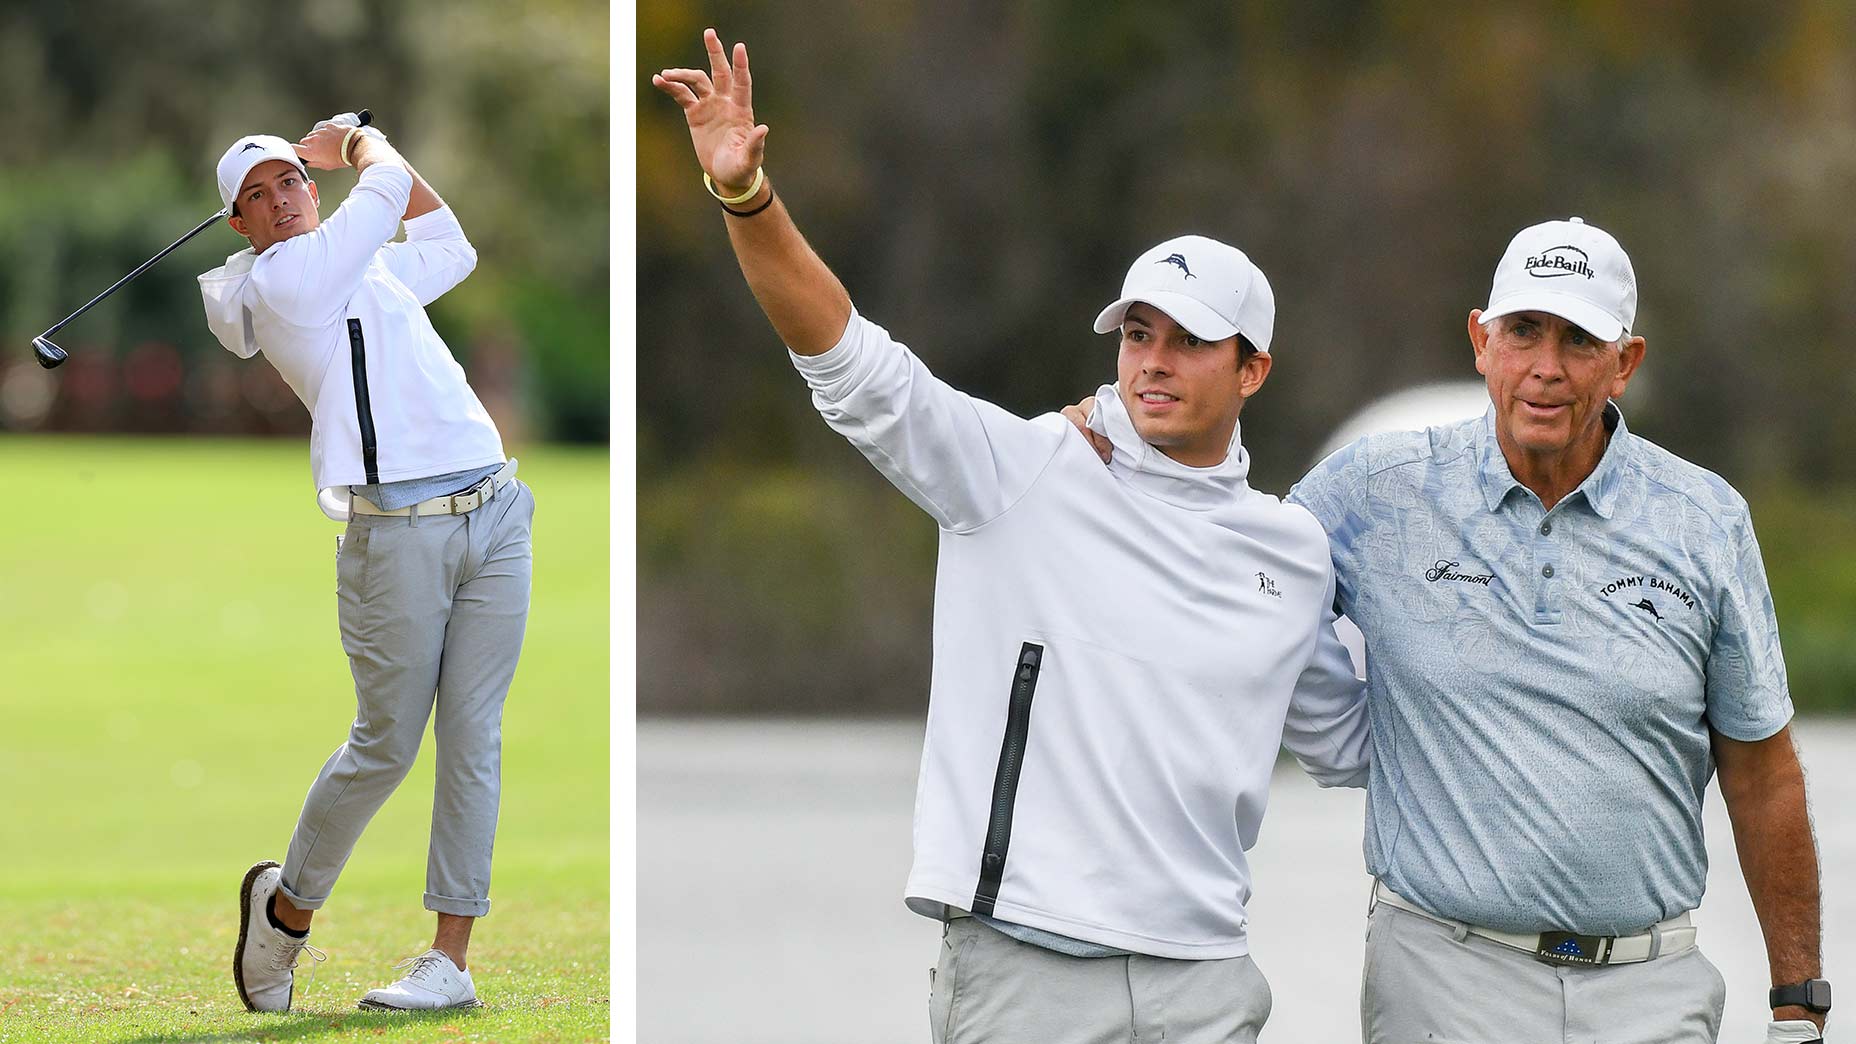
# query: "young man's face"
1183,394
1549,380
275,202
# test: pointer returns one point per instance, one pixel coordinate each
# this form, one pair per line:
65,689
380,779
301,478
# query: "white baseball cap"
1208,287
1570,269
248,152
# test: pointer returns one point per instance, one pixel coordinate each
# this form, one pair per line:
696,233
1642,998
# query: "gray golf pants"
1423,982
989,988
432,612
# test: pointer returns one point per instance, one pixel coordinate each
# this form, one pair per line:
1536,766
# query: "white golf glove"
1792,1031
349,119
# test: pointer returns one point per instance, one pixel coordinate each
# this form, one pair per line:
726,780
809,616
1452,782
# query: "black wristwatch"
1811,995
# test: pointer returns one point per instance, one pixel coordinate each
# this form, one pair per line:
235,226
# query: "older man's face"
1549,380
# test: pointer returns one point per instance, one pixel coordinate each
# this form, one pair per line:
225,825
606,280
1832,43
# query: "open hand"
1079,416
719,106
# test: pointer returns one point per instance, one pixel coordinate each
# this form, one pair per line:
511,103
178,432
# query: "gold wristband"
760,176
346,139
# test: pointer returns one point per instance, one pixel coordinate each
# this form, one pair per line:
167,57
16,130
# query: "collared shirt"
1541,683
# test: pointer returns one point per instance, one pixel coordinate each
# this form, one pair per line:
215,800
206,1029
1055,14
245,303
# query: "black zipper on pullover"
1005,781
364,412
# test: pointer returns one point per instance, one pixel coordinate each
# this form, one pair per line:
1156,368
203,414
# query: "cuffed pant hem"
446,904
298,901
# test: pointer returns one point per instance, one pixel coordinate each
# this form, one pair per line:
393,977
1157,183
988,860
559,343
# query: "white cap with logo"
1210,288
1570,269
248,152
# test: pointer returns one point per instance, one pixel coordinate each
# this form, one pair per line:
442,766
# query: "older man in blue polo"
1568,631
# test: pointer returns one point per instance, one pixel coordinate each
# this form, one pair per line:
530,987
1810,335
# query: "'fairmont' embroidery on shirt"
1446,570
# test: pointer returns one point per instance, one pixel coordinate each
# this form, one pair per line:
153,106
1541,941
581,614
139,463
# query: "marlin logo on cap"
1554,262
1177,259
251,145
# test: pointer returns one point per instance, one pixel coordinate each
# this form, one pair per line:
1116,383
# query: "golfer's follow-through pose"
433,571
1095,766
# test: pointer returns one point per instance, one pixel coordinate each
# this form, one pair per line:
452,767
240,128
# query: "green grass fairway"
170,681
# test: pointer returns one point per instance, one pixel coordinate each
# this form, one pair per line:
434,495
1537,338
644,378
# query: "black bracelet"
756,210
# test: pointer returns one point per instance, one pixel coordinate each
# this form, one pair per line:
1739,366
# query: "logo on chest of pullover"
1267,585
1445,569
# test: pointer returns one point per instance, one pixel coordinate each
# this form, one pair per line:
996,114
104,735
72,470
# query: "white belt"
454,504
1670,937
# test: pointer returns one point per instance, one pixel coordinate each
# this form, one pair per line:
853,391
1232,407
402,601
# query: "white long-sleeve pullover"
1118,654
340,312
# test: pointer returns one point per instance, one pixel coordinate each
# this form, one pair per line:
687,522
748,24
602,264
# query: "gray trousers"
432,613
992,989
1423,983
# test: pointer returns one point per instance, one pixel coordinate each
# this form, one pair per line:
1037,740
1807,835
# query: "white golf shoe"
432,983
264,964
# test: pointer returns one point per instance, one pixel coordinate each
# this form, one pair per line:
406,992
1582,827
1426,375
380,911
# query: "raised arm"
367,151
309,278
321,148
436,256
803,300
959,458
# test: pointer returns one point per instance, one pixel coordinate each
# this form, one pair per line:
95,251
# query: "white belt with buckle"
1669,937
454,504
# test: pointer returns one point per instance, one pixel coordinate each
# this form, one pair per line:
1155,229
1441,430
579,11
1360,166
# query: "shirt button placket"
1547,603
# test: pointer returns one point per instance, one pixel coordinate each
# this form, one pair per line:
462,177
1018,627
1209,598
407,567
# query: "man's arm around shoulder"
1327,727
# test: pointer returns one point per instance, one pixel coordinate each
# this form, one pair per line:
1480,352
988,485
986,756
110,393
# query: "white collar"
1160,476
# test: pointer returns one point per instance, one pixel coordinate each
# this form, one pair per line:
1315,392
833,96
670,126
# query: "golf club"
50,355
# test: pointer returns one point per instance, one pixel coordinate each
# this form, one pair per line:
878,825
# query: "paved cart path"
771,859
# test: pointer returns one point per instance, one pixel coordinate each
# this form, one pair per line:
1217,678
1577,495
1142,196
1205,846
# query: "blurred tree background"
117,113
981,174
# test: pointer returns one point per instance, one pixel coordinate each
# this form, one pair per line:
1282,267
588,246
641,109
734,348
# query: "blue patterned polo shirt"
1541,683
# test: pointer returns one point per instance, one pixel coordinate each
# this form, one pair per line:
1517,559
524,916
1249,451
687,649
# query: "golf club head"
48,354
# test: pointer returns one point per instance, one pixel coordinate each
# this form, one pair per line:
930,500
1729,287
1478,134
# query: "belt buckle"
1573,948
482,494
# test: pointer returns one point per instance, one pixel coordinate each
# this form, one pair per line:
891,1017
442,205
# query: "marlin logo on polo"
1444,569
1639,584
1177,259
1558,261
